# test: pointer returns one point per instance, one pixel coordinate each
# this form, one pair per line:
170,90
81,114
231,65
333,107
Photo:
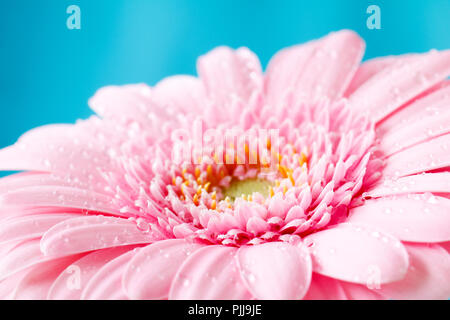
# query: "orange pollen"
303,159
291,178
282,170
197,172
195,199
209,170
271,192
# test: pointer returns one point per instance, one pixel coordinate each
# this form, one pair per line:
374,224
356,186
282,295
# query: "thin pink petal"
106,284
209,273
419,183
276,270
32,179
15,212
397,84
422,120
428,275
185,93
370,68
68,150
91,233
130,103
427,156
353,253
284,70
431,101
325,288
21,257
8,285
151,271
38,280
417,132
416,218
30,226
355,291
64,197
324,72
72,280
331,67
227,73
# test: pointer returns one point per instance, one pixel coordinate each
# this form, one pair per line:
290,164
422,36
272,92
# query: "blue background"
47,72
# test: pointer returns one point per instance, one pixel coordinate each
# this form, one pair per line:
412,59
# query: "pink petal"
427,156
428,275
38,280
414,133
431,101
419,183
8,285
416,218
33,179
91,233
30,226
228,73
130,103
151,271
13,212
318,69
284,69
21,257
445,245
67,150
275,270
121,102
332,66
397,84
185,93
64,197
422,120
355,291
325,288
209,273
370,68
106,284
6,247
72,280
354,253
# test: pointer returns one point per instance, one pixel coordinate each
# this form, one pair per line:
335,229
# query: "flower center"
252,172
293,180
245,188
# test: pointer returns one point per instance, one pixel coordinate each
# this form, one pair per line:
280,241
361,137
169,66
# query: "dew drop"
251,278
432,199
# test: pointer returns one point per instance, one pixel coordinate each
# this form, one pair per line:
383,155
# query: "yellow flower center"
245,188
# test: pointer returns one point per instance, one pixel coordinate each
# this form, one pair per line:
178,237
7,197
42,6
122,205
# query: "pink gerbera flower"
322,178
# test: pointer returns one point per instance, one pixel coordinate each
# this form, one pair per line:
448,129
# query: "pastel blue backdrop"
47,72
